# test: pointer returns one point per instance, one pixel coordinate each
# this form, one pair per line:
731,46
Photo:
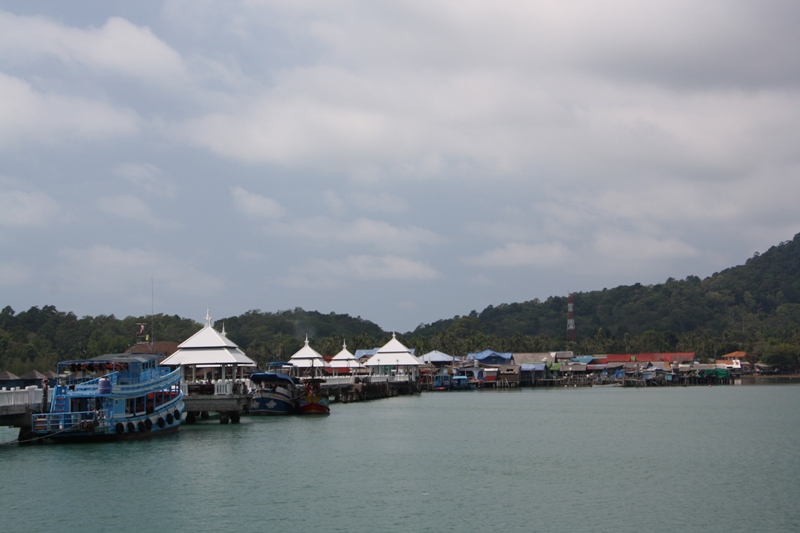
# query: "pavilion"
307,361
393,358
210,349
345,361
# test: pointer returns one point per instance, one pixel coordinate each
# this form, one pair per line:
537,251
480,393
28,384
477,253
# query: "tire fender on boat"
140,426
177,415
161,422
119,428
148,424
170,420
131,427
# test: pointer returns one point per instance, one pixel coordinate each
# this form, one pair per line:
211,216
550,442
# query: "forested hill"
40,337
737,308
754,307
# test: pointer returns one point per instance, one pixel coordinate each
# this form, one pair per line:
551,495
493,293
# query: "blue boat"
112,397
274,394
461,383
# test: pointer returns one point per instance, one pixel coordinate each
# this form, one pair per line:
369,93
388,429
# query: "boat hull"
272,405
313,404
73,438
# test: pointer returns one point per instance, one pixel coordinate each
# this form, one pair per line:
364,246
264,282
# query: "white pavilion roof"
307,357
393,353
345,359
208,347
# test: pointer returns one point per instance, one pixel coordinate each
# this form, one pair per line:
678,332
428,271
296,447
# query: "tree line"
753,307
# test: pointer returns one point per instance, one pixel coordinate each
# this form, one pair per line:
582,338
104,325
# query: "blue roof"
365,353
480,356
584,359
538,367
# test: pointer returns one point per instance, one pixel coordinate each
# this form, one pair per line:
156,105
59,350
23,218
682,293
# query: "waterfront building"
308,362
212,354
393,358
345,362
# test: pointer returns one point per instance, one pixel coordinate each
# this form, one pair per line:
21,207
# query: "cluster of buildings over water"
211,361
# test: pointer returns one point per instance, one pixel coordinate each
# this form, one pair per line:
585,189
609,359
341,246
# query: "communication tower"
570,320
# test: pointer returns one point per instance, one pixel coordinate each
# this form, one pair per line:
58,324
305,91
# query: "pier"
17,406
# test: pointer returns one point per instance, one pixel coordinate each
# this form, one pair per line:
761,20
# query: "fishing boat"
112,397
312,400
274,393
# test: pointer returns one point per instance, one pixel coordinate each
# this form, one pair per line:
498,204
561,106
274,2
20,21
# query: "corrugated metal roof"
532,358
436,357
527,367
485,354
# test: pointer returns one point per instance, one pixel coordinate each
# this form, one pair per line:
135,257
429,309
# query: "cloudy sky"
402,161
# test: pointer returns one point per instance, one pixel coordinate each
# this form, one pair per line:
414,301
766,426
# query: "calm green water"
598,459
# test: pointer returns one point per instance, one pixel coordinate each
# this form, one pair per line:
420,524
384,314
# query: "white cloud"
516,254
322,273
256,206
51,118
26,209
118,46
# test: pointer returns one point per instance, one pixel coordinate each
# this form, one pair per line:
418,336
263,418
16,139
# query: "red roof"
734,355
669,357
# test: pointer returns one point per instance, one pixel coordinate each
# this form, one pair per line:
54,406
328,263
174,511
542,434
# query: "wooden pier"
346,389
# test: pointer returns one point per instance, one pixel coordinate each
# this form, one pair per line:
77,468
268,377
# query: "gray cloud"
446,154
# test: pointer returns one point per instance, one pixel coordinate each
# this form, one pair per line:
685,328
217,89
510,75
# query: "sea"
722,458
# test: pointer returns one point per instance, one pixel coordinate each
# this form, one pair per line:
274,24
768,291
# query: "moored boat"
313,400
112,397
274,394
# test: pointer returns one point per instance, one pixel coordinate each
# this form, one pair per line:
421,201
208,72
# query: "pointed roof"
5,374
345,359
393,353
307,357
436,357
208,347
33,374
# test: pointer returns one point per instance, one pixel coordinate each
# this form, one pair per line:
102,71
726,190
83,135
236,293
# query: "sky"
401,161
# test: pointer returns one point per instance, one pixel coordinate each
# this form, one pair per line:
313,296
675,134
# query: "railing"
27,396
96,421
339,380
93,386
223,387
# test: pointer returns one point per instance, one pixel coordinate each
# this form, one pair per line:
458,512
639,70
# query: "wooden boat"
112,397
274,394
312,400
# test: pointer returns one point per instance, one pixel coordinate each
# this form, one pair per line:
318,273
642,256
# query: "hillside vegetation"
753,307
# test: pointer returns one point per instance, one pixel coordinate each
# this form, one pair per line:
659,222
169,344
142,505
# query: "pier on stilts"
349,389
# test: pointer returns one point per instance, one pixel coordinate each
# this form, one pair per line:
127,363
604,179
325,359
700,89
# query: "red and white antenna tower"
570,320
